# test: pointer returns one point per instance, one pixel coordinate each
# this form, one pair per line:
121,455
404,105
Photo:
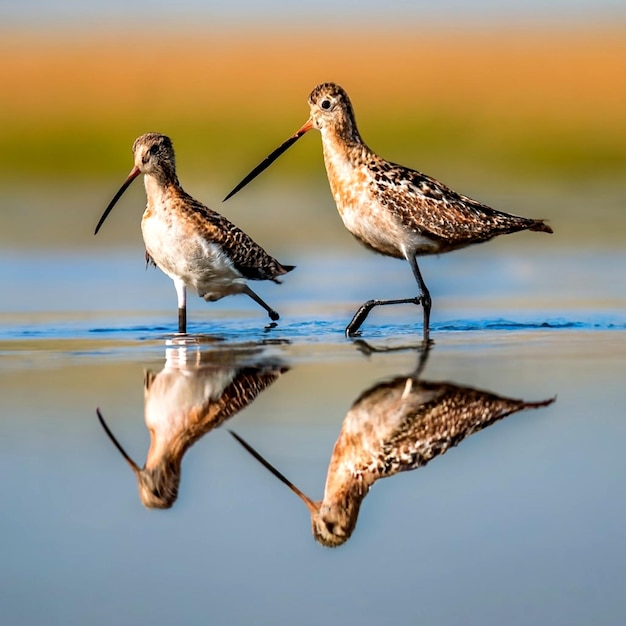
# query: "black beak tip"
263,165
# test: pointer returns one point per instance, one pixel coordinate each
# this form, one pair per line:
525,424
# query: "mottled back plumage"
437,212
247,256
432,417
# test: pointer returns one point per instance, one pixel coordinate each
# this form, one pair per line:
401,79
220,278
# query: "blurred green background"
522,112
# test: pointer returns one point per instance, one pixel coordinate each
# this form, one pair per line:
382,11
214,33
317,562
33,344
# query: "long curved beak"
267,161
117,444
129,179
313,506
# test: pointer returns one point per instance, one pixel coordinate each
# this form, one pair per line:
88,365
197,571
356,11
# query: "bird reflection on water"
394,426
195,392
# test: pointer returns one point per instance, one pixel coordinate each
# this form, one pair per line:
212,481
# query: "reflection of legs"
423,299
273,314
181,292
422,348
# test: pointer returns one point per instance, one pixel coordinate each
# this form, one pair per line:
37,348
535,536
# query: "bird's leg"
424,296
352,330
181,292
273,314
423,299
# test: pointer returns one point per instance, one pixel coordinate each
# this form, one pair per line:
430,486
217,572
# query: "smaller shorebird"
195,246
391,209
192,395
394,426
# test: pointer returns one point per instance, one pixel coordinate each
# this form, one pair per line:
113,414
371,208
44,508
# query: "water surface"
522,523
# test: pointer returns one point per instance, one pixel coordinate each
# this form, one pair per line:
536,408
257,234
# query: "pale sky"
24,13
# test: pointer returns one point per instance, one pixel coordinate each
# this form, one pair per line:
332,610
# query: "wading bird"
195,246
391,209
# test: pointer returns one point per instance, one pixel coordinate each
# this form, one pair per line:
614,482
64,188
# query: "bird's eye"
325,104
152,151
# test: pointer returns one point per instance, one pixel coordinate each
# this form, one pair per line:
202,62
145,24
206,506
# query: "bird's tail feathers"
540,226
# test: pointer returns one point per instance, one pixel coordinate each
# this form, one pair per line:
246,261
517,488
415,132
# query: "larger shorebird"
392,209
195,246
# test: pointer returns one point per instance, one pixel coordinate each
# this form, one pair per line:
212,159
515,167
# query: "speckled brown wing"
248,383
450,414
248,257
436,211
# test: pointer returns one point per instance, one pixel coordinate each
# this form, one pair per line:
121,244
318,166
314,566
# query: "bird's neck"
345,479
160,188
343,132
343,146
344,159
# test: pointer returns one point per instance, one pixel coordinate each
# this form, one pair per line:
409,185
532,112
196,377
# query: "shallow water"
522,523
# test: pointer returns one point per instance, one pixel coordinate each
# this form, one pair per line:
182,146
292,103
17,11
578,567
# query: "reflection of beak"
271,158
132,463
313,506
129,179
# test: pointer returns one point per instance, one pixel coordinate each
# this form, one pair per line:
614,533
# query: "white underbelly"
379,229
202,265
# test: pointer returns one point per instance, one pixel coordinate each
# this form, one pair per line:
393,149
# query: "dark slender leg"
364,310
424,295
182,320
423,299
273,314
